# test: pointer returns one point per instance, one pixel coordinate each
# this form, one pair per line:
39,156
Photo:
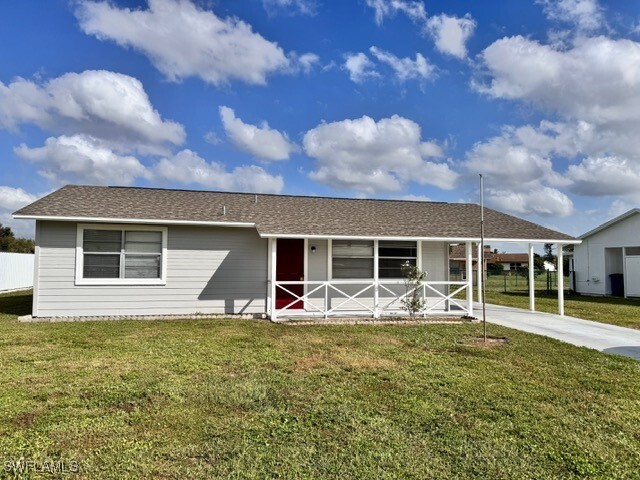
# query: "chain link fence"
516,280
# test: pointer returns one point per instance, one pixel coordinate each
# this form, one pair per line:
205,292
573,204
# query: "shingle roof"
288,215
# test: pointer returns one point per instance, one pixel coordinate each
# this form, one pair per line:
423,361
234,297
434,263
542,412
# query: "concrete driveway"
584,333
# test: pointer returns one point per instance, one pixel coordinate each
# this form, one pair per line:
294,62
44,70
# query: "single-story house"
123,251
458,260
511,262
607,262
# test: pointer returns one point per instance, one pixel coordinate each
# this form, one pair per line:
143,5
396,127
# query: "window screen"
122,254
352,259
392,255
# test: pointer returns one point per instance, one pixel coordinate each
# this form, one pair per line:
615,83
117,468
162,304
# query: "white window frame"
376,260
373,257
80,280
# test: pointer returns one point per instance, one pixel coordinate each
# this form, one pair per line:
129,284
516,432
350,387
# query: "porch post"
305,272
329,275
376,288
469,252
419,266
480,270
269,267
624,271
532,281
273,255
560,281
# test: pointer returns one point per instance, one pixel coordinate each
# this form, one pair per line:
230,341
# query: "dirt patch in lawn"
344,361
491,342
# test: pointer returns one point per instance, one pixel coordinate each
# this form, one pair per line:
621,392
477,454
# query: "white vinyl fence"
16,271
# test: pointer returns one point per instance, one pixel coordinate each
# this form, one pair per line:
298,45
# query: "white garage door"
632,277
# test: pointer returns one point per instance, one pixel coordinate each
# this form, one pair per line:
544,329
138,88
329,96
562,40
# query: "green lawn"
617,311
250,399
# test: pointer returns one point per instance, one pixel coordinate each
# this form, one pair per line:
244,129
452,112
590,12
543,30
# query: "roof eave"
611,222
430,239
146,221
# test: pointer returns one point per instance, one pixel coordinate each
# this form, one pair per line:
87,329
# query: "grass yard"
249,399
624,312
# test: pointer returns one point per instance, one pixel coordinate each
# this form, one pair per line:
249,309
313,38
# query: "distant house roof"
458,253
605,225
510,257
285,215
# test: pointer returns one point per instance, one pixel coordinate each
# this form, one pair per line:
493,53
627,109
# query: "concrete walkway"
584,333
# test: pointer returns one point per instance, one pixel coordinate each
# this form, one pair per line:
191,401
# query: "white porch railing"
372,297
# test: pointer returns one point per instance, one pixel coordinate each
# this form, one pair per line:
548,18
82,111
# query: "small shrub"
413,302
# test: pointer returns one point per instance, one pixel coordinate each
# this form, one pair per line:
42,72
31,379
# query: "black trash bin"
617,284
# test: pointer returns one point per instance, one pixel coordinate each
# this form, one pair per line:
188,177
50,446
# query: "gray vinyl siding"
435,261
209,270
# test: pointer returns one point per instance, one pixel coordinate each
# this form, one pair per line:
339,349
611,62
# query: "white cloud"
262,142
431,149
405,68
619,206
212,138
82,159
384,8
100,103
12,199
586,15
518,169
415,198
594,86
605,176
371,157
450,34
304,63
304,7
15,198
183,40
360,67
188,168
518,156
598,80
544,201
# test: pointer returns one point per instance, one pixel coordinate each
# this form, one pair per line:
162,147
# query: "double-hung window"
114,255
392,255
352,259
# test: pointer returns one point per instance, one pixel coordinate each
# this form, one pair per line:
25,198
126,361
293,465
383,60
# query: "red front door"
289,268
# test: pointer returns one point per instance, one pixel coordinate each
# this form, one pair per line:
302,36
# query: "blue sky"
363,98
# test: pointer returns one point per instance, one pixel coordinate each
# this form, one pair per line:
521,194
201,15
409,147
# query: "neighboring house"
126,251
458,260
511,262
608,260
16,271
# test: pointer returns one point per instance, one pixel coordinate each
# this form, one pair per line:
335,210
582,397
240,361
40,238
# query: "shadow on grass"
16,303
576,297
632,351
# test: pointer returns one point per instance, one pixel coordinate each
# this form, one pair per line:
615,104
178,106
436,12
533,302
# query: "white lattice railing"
371,297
